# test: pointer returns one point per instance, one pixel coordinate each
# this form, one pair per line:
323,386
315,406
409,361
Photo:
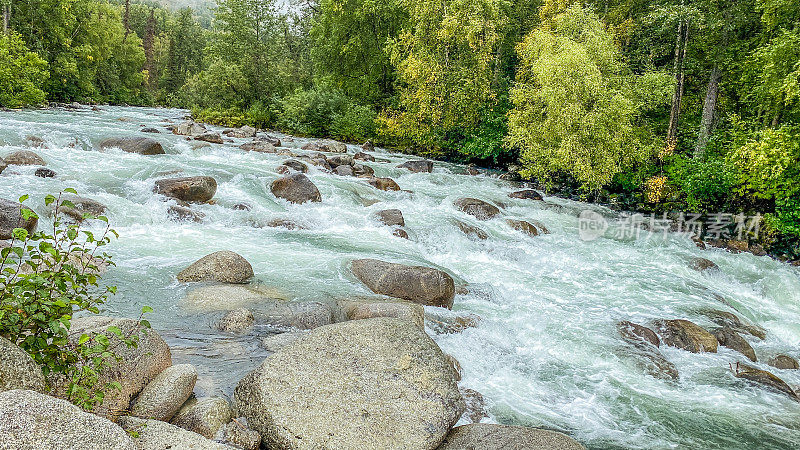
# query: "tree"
22,73
575,103
185,52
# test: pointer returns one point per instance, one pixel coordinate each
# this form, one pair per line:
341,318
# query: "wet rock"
528,194
384,184
138,145
30,420
360,170
784,362
223,266
18,370
368,146
313,147
296,165
486,436
523,226
259,146
391,217
364,156
242,207
11,217
244,132
189,128
165,395
335,147
157,435
451,323
401,233
213,138
732,321
136,366
188,189
651,360
300,315
539,227
317,384
345,171
184,214
284,223
203,416
703,264
478,208
296,188
238,434
418,284
476,405
635,333
418,166
24,158
686,335
412,312
470,230
731,339
237,321
80,207
44,172
456,366
35,141
197,145
278,341
283,170
150,130
227,297
3,165
340,160
764,378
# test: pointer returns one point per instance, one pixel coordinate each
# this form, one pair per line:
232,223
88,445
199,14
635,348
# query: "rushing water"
546,353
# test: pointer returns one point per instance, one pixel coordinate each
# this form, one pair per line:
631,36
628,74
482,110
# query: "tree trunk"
680,56
6,17
709,108
126,19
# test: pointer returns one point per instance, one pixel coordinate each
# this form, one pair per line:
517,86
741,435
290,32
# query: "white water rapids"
546,352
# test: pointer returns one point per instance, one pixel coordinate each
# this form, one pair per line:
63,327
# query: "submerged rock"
165,395
184,214
24,158
18,370
138,145
478,208
295,188
523,226
475,403
635,333
285,223
237,321
703,264
43,172
767,379
203,416
731,339
418,284
276,342
198,189
374,383
486,436
227,297
11,217
359,310
734,322
528,194
300,315
418,166
30,420
471,230
391,217
157,435
223,266
686,335
784,362
382,183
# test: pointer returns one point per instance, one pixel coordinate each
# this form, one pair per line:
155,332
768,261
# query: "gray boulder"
165,395
784,362
157,435
417,284
484,436
18,370
260,146
295,188
237,321
340,160
132,144
238,434
375,383
528,194
358,310
209,136
189,128
478,208
244,132
11,217
227,297
223,266
418,166
24,158
188,189
33,421
391,217
344,171
731,339
276,342
296,165
300,315
383,183
81,206
203,416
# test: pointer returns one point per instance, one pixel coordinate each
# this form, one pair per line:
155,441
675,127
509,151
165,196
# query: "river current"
546,352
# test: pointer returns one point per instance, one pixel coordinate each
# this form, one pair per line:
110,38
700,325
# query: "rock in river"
687,336
188,189
165,395
296,188
391,217
11,217
139,145
374,383
157,435
418,166
384,184
784,362
223,266
418,284
24,158
765,378
203,416
486,436
529,194
478,208
731,339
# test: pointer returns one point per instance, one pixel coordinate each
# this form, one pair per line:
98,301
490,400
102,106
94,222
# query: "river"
546,352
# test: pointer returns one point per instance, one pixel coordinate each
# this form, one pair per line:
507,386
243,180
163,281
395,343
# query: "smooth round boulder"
32,421
528,194
296,165
523,226
417,284
478,208
18,370
383,183
223,266
165,395
686,335
373,383
486,436
204,416
784,362
131,144
295,188
732,340
24,158
188,189
11,217
418,166
391,217
156,435
359,310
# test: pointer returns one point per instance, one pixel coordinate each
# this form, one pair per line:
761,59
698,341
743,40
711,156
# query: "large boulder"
188,189
644,345
344,171
359,310
383,183
81,206
136,366
157,435
299,315
260,146
296,165
209,136
237,321
223,266
478,208
165,395
203,416
418,284
731,339
24,158
374,383
784,362
295,188
391,217
764,378
189,128
276,342
485,436
364,156
18,370
340,160
686,335
132,144
33,421
418,166
11,217
244,132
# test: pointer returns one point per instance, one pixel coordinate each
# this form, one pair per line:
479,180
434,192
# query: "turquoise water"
546,352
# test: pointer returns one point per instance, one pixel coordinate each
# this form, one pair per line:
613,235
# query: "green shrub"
44,280
22,73
323,112
706,184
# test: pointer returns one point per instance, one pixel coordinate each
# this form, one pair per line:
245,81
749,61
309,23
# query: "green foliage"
44,280
324,112
22,73
706,184
184,55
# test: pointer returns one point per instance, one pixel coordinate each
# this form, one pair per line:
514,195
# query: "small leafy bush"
323,112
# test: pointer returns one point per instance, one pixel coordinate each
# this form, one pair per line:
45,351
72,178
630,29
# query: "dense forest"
673,105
